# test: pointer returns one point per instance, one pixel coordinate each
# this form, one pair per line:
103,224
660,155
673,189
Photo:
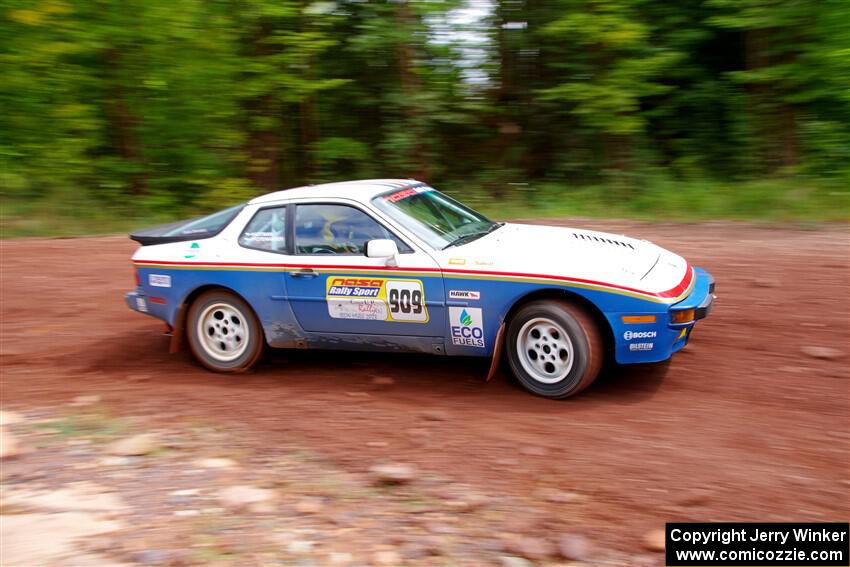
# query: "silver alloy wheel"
223,332
545,350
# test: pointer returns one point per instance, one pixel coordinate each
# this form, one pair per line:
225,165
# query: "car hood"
585,256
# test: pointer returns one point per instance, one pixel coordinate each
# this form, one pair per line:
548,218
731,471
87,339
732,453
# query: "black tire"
570,374
237,320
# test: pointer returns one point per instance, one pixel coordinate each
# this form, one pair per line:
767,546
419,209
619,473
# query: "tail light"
136,276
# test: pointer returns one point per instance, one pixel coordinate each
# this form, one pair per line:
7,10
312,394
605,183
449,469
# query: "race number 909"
407,301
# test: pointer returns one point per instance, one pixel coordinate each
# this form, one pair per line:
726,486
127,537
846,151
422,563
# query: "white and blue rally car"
394,265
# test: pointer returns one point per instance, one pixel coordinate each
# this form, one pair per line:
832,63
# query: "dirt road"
747,423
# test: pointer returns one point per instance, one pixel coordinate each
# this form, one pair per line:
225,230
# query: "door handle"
305,273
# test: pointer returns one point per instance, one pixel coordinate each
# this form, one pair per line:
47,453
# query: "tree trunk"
755,42
789,136
123,123
263,147
263,143
508,129
309,135
308,113
410,86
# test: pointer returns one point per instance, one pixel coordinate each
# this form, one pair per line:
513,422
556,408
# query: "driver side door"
335,288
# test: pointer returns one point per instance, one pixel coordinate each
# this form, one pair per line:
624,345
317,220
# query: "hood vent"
591,238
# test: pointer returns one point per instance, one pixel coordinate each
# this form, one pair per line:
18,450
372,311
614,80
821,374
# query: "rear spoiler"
166,233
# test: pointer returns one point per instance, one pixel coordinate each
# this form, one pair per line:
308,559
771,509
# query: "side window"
266,231
337,229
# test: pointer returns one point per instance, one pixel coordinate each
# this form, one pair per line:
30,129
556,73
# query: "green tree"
795,73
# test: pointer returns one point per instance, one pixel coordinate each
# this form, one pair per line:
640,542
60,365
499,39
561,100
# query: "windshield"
437,219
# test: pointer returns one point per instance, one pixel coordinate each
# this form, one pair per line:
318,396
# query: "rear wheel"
223,332
555,348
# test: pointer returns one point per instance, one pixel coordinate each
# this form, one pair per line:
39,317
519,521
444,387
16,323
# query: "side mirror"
383,248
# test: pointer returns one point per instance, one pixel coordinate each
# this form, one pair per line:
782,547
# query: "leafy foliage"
139,107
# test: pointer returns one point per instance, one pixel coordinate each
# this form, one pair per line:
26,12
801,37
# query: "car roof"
361,190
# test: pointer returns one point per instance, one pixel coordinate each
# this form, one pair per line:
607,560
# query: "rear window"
206,226
192,229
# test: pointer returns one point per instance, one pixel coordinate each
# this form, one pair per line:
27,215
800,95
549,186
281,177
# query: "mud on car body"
396,265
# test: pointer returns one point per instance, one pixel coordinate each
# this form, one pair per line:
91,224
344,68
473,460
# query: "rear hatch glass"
192,229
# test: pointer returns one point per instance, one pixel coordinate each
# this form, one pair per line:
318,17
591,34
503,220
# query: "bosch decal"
629,335
159,280
463,294
467,326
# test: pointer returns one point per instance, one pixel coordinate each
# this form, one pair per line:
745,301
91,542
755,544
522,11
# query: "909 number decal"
407,301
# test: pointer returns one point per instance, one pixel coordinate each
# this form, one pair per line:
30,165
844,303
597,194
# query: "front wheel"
554,347
223,332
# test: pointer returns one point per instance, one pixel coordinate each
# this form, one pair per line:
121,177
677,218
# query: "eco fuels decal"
467,326
376,299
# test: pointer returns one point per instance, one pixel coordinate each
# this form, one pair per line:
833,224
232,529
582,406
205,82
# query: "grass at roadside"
83,217
784,201
762,201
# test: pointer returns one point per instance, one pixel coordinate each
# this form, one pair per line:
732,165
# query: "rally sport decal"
376,299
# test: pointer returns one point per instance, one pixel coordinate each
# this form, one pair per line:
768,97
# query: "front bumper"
658,340
700,299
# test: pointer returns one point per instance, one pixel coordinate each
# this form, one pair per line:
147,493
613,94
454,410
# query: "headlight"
683,316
